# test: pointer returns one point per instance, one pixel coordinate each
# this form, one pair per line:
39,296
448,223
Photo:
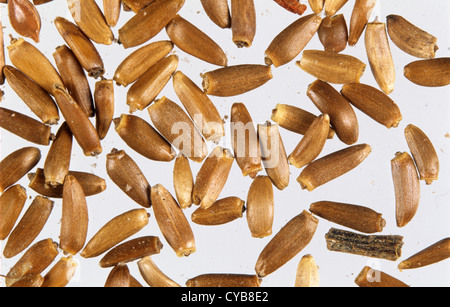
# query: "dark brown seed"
333,33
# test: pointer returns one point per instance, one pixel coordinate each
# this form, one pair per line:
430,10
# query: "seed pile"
61,95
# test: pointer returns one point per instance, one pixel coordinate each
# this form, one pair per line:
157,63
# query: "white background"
230,248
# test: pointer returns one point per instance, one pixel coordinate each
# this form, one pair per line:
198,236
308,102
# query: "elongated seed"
333,33
111,10
307,273
218,11
429,73
361,13
260,207
332,6
152,275
104,99
25,18
224,280
29,281
316,5
371,278
222,211
60,274
183,181
12,202
432,254
243,22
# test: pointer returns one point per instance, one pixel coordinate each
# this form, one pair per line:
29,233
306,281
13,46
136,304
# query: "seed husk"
57,162
287,243
292,40
143,138
411,39
131,250
432,254
332,67
144,91
224,280
60,274
127,175
333,33
183,181
235,80
111,10
172,222
33,95
201,109
332,166
24,18
371,278
430,73
115,231
212,177
148,22
29,226
243,22
307,273
246,148
119,277
406,188
104,106
423,152
29,281
332,6
140,60
136,5
152,275
362,10
222,211
374,103
356,217
260,207
388,247
12,202
195,42
218,11
16,165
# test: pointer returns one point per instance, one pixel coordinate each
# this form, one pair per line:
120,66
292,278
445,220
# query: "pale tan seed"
307,273
260,207
183,181
12,202
316,5
222,211
332,6
152,275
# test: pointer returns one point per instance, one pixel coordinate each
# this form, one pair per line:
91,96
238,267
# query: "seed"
224,280
119,277
148,22
212,177
311,145
307,273
2,55
287,243
201,109
195,42
332,6
57,162
218,11
333,33
243,22
432,254
144,91
356,217
430,73
11,204
235,80
139,61
222,211
24,18
374,103
244,140
153,275
104,106
423,152
260,207
342,116
332,67
74,78
115,231
292,40
371,278
375,246
127,175
332,166
132,250
112,10
406,187
137,5
361,13
143,138
380,57
183,181
60,274
29,281
410,38
292,6
29,226
316,5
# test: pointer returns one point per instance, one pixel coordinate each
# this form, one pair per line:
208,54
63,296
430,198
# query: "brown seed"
195,42
406,186
292,40
311,145
115,231
423,152
287,243
183,181
332,67
430,73
127,175
332,6
260,207
148,22
224,280
11,204
371,278
137,5
119,277
2,54
111,10
144,91
307,273
374,103
153,275
29,226
131,250
356,217
139,61
38,2
316,5
218,11
24,18
57,162
273,154
432,254
362,10
243,22
342,116
222,211
244,140
172,222
60,274
29,281
333,33
212,177
332,166
201,109
104,106
143,138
